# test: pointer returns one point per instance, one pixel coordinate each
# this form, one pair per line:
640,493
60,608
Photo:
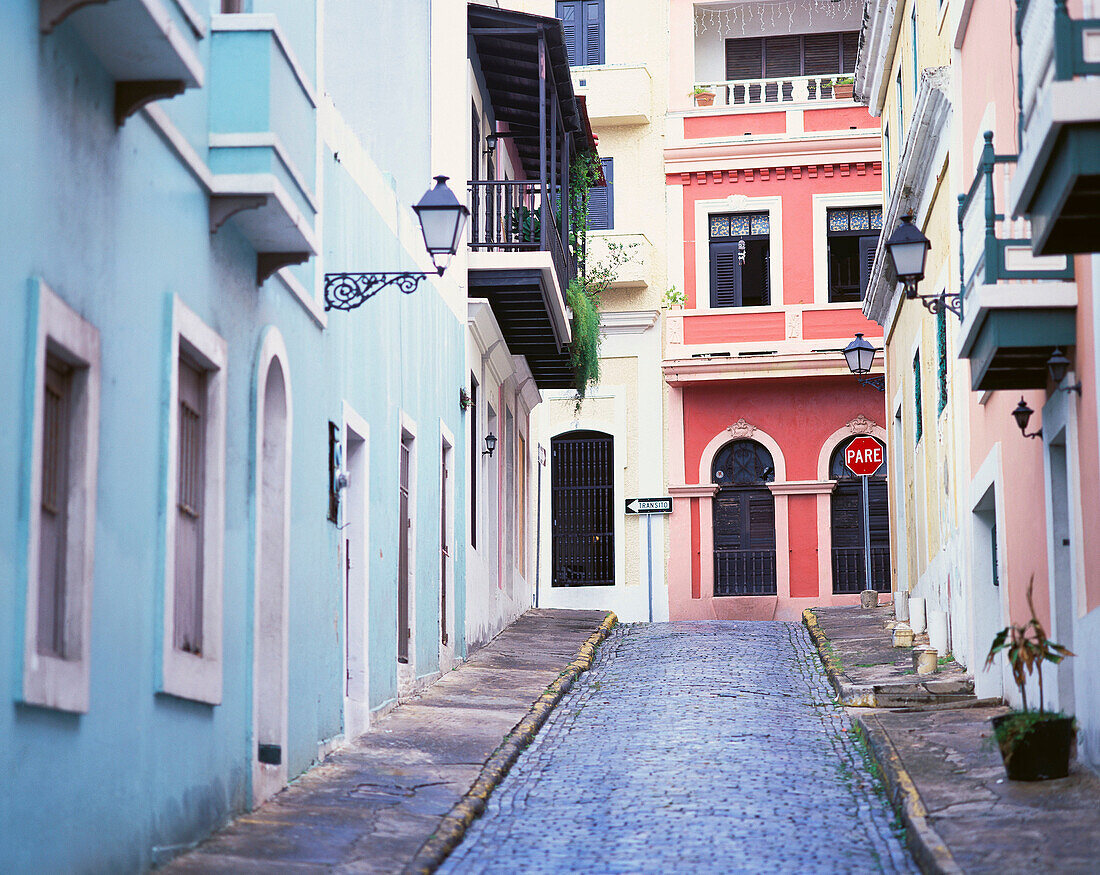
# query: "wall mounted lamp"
1022,415
442,219
491,141
1058,365
860,356
908,250
490,445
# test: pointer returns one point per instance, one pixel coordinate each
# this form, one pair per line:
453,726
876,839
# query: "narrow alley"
695,747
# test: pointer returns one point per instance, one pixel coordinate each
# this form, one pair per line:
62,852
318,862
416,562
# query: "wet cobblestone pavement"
693,747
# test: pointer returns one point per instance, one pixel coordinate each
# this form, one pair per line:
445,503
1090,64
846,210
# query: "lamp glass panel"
439,227
908,259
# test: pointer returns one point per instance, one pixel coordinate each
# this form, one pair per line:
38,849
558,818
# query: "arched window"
744,520
852,530
582,497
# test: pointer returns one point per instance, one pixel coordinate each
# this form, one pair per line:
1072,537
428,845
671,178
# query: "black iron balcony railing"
744,572
850,570
992,247
511,216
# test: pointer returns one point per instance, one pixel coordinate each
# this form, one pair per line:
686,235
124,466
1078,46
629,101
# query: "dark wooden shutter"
593,32
867,247
822,53
782,56
725,275
567,12
761,533
849,45
744,58
601,200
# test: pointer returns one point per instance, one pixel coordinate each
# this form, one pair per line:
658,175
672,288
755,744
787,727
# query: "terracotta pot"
704,99
842,91
1041,753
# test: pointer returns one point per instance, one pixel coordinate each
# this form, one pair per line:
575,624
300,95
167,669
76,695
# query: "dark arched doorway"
846,513
582,498
744,520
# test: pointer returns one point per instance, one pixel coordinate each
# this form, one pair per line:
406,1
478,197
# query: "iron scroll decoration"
346,291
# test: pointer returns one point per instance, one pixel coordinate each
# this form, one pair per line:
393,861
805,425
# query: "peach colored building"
774,202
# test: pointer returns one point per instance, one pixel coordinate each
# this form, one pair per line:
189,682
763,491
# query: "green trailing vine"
584,173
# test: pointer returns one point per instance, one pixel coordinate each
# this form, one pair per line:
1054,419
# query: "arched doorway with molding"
271,563
744,520
849,529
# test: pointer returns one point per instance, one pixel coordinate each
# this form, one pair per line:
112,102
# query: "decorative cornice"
928,130
861,425
741,429
878,39
679,371
628,321
803,487
693,490
717,164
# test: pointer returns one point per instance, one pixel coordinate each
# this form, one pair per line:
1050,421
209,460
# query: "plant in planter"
703,95
1035,745
844,87
673,297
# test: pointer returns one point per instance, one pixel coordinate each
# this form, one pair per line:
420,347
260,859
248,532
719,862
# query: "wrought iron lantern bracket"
877,382
346,291
936,304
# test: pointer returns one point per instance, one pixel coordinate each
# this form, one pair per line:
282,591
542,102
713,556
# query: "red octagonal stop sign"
863,456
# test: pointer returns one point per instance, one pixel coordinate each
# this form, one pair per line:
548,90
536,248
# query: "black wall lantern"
1022,415
908,249
1058,365
442,220
860,356
490,445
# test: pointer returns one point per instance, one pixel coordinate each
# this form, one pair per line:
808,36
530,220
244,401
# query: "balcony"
1017,307
519,262
262,141
616,95
792,92
150,47
1057,183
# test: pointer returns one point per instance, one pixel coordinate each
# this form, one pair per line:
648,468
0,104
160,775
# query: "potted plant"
1035,745
844,87
703,95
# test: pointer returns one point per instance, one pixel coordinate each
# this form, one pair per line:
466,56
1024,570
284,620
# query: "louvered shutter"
601,200
744,58
822,53
761,534
867,247
878,512
849,46
782,56
728,524
846,516
593,32
567,12
725,275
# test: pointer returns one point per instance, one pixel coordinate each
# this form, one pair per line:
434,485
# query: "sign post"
863,457
649,507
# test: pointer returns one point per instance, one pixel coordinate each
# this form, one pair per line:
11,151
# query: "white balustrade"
786,90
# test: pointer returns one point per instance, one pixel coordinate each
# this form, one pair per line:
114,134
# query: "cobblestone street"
696,747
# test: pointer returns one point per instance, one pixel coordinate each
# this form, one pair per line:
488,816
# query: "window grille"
56,446
846,518
744,520
190,487
582,496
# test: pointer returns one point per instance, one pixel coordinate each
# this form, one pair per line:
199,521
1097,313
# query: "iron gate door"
846,519
744,541
582,499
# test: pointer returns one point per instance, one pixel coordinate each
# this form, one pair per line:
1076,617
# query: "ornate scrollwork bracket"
346,291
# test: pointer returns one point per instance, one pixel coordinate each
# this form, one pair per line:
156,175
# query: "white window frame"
53,681
407,429
187,675
821,204
773,206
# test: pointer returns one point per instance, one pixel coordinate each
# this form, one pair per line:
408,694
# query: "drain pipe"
538,523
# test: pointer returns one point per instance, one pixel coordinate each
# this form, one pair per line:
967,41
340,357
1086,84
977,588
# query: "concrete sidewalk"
371,806
942,768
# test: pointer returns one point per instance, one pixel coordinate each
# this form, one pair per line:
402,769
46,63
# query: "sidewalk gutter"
453,827
849,694
924,843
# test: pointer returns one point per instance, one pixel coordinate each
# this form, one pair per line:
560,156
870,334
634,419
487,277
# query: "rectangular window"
901,109
778,57
404,546
191,654
853,235
886,162
582,24
601,199
918,413
913,36
60,536
230,7
941,360
740,261
475,458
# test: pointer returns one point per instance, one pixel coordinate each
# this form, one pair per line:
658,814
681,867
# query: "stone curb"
453,827
849,694
928,849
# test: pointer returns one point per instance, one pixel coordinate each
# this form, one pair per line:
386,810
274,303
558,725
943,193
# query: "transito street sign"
649,505
863,456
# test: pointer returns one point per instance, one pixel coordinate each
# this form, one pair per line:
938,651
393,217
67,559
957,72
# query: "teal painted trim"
23,488
1069,45
164,409
1004,273
1076,154
1019,329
